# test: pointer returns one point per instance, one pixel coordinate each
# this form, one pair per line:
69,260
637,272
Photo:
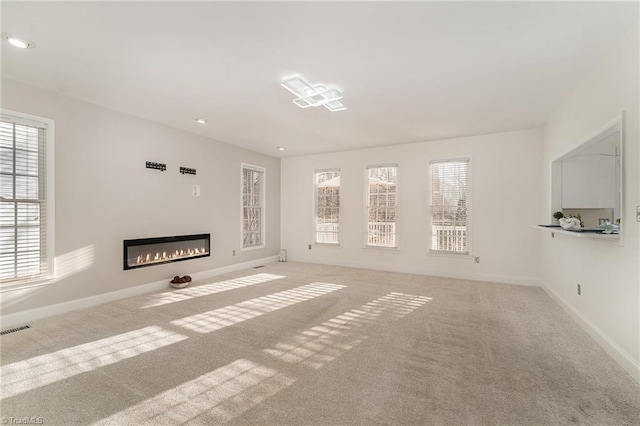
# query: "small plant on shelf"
557,216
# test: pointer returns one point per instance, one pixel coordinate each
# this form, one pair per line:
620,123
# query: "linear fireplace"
153,251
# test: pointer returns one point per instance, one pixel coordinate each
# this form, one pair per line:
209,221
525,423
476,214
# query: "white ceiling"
409,72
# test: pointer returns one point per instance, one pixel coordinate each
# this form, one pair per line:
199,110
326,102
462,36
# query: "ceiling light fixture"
17,41
314,95
281,148
201,121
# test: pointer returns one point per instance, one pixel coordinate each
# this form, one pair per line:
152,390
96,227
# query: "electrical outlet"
309,246
579,290
476,259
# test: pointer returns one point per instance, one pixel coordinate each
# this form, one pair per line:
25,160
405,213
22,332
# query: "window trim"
315,209
29,119
263,216
396,247
453,254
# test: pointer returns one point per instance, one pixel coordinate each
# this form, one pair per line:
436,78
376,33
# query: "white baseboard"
503,279
24,317
625,360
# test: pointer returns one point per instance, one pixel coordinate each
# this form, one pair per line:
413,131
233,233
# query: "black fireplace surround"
155,251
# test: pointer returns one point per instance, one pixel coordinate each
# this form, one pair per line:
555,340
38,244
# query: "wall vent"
13,330
258,267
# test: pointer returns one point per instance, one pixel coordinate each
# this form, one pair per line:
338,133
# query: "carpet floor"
302,344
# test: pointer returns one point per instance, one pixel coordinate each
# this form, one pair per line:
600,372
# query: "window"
327,208
450,206
382,205
252,206
26,191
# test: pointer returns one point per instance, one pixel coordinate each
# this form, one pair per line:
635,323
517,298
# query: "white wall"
505,203
104,195
608,273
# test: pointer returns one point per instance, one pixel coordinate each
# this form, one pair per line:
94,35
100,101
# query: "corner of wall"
625,360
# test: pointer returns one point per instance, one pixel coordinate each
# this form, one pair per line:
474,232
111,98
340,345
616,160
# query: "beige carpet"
304,344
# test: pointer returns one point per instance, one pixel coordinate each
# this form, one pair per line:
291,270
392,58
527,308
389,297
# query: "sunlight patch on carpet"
323,343
229,315
223,393
32,373
207,289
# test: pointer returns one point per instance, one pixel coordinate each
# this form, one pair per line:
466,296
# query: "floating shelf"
577,234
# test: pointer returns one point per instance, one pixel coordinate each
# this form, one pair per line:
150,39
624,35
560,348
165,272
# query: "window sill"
252,248
327,245
382,248
450,254
23,285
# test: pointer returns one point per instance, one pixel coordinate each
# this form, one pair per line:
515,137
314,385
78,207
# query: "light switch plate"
195,190
637,213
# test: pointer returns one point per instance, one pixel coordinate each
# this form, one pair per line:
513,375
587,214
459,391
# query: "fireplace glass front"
153,251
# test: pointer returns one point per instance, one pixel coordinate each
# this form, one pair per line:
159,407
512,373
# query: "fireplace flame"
157,256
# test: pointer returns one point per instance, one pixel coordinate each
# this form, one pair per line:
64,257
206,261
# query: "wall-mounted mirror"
587,181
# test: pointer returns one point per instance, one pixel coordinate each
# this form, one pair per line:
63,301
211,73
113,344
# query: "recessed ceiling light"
17,41
201,121
281,148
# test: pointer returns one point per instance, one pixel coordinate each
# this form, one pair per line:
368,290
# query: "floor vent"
13,330
258,267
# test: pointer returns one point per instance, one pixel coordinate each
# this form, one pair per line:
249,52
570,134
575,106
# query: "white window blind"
23,200
450,206
253,188
327,208
381,205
